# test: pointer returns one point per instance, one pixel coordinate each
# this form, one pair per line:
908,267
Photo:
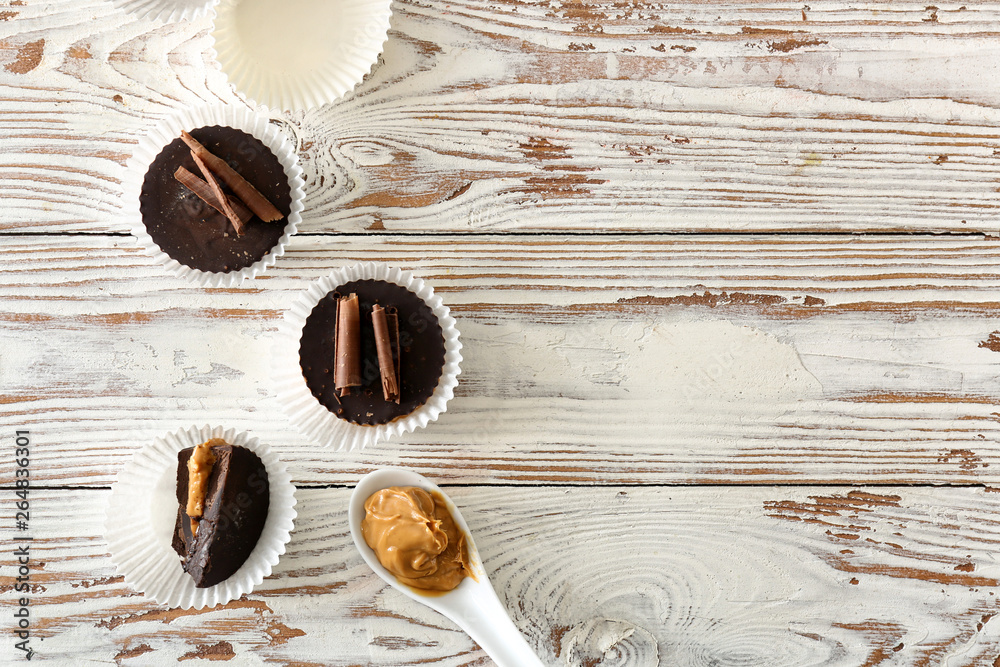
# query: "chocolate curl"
247,193
227,210
383,347
392,319
347,345
204,192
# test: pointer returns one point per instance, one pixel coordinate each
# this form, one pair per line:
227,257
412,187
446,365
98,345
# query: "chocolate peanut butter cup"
247,514
232,510
387,365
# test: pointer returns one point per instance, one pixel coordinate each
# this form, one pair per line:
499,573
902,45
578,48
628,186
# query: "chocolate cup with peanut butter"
222,496
142,520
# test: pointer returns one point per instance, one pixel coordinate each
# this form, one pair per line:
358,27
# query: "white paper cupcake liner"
166,10
299,54
236,117
142,512
315,420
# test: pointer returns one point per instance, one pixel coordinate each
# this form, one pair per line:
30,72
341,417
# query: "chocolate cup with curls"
185,234
304,359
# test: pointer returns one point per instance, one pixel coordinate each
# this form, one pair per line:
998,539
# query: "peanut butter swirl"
199,470
415,538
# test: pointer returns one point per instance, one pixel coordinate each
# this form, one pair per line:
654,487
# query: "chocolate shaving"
385,332
247,193
227,210
392,318
347,345
204,192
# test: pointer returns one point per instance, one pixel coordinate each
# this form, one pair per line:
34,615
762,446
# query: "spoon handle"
489,625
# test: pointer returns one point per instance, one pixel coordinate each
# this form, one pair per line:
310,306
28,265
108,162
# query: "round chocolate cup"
420,353
169,130
314,419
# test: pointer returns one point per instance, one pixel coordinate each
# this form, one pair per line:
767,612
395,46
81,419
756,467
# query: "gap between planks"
915,234
888,486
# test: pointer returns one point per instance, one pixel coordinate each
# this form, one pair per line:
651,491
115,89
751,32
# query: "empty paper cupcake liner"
142,511
166,131
315,420
298,54
166,10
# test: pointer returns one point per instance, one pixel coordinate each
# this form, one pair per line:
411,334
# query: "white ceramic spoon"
473,606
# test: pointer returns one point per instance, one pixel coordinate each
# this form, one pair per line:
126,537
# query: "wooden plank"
699,116
782,577
609,360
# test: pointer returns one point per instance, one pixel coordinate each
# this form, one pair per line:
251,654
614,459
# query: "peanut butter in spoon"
415,538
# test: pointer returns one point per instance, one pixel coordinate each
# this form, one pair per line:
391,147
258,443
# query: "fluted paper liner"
142,512
299,54
166,10
313,418
163,133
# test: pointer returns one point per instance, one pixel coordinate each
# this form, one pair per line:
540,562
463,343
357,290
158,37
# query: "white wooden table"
726,276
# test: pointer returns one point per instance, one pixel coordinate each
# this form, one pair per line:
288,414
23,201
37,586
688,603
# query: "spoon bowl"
473,605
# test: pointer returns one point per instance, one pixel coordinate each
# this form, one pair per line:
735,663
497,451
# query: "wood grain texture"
647,359
611,576
591,116
659,432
